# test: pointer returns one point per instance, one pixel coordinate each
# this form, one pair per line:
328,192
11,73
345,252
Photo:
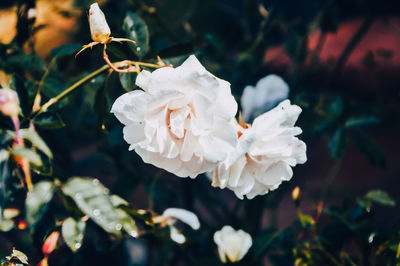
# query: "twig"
357,37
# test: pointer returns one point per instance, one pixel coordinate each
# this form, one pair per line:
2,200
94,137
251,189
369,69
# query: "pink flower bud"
9,104
50,243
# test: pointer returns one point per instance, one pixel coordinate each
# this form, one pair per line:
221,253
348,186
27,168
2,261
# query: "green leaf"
361,121
66,49
128,80
92,198
338,143
52,87
49,120
34,138
306,220
369,148
128,224
36,201
73,232
117,201
20,256
6,224
28,154
380,197
136,29
46,169
336,106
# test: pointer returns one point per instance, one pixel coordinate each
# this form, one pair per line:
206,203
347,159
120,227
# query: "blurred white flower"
99,29
269,91
265,153
170,217
182,122
9,103
232,244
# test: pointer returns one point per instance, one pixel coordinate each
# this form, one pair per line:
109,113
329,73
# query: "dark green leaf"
361,121
34,138
263,242
92,198
36,201
136,29
66,49
49,120
52,87
176,50
128,80
338,143
101,103
380,197
18,85
28,154
369,148
6,136
24,62
4,175
121,51
73,232
336,106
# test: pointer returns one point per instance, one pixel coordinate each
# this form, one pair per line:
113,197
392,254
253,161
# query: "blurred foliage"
231,38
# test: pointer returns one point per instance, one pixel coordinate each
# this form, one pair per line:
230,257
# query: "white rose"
232,244
269,91
99,29
171,215
182,121
265,153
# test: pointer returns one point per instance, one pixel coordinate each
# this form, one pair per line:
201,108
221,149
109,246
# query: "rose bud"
9,103
50,243
296,196
232,244
99,29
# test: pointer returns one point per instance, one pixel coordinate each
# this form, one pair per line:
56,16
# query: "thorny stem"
36,102
82,81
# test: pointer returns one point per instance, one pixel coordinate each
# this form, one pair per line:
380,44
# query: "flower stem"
82,81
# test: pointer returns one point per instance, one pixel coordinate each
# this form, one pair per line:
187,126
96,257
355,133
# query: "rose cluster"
183,121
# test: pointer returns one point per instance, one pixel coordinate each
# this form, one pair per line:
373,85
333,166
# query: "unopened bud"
9,104
296,193
99,29
50,243
22,225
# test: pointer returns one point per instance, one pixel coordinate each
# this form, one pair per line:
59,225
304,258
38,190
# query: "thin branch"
351,45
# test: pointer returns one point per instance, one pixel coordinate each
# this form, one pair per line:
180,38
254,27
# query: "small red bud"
50,243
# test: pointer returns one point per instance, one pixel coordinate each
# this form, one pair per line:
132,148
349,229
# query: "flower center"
178,121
